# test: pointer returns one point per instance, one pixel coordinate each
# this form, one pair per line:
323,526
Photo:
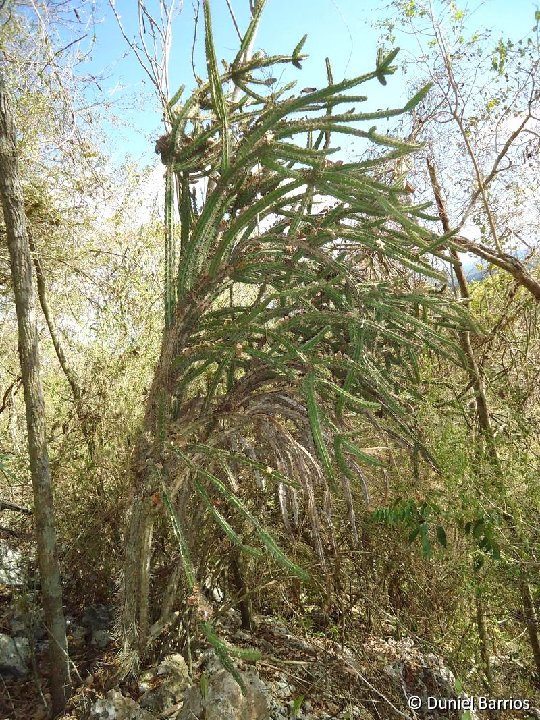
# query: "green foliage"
280,316
416,518
223,653
226,652
4,469
297,705
481,531
315,422
301,329
218,101
235,502
187,564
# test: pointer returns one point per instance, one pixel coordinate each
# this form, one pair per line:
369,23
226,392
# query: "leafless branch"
196,11
231,12
458,117
5,505
10,390
154,61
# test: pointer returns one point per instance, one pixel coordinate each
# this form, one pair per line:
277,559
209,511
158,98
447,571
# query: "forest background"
399,469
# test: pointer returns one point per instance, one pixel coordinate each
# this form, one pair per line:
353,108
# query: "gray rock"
224,699
193,707
30,626
77,633
173,677
97,621
14,655
114,706
17,625
97,617
12,565
101,638
427,676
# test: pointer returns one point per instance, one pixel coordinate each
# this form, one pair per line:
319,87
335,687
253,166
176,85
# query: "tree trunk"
484,640
241,590
84,416
138,544
21,273
531,622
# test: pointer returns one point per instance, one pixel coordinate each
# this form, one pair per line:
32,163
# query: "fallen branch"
5,505
14,533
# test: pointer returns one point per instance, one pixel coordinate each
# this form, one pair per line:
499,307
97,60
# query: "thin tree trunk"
531,621
68,371
21,273
473,370
484,640
241,591
484,646
42,295
484,423
147,459
136,587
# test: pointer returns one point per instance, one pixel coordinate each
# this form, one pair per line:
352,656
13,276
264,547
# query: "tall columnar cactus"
276,324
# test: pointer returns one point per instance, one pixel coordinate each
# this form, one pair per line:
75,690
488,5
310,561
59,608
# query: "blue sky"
341,29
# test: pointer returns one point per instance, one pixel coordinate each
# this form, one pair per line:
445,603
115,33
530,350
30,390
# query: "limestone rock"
101,638
14,655
427,677
172,676
30,626
12,565
97,621
114,706
224,699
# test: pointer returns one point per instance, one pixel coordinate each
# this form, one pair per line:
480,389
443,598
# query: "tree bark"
483,637
484,640
531,622
135,613
506,262
21,274
241,591
5,505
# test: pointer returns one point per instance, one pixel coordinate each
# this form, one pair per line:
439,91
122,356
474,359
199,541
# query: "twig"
1,676
11,389
231,11
375,690
196,11
5,505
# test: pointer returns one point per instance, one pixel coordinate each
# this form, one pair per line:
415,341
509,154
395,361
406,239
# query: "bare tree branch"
5,505
10,390
231,12
503,260
154,61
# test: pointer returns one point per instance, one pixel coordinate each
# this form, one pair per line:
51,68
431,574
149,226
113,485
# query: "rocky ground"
297,676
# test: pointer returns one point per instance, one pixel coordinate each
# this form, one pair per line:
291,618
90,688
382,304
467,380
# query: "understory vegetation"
295,370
